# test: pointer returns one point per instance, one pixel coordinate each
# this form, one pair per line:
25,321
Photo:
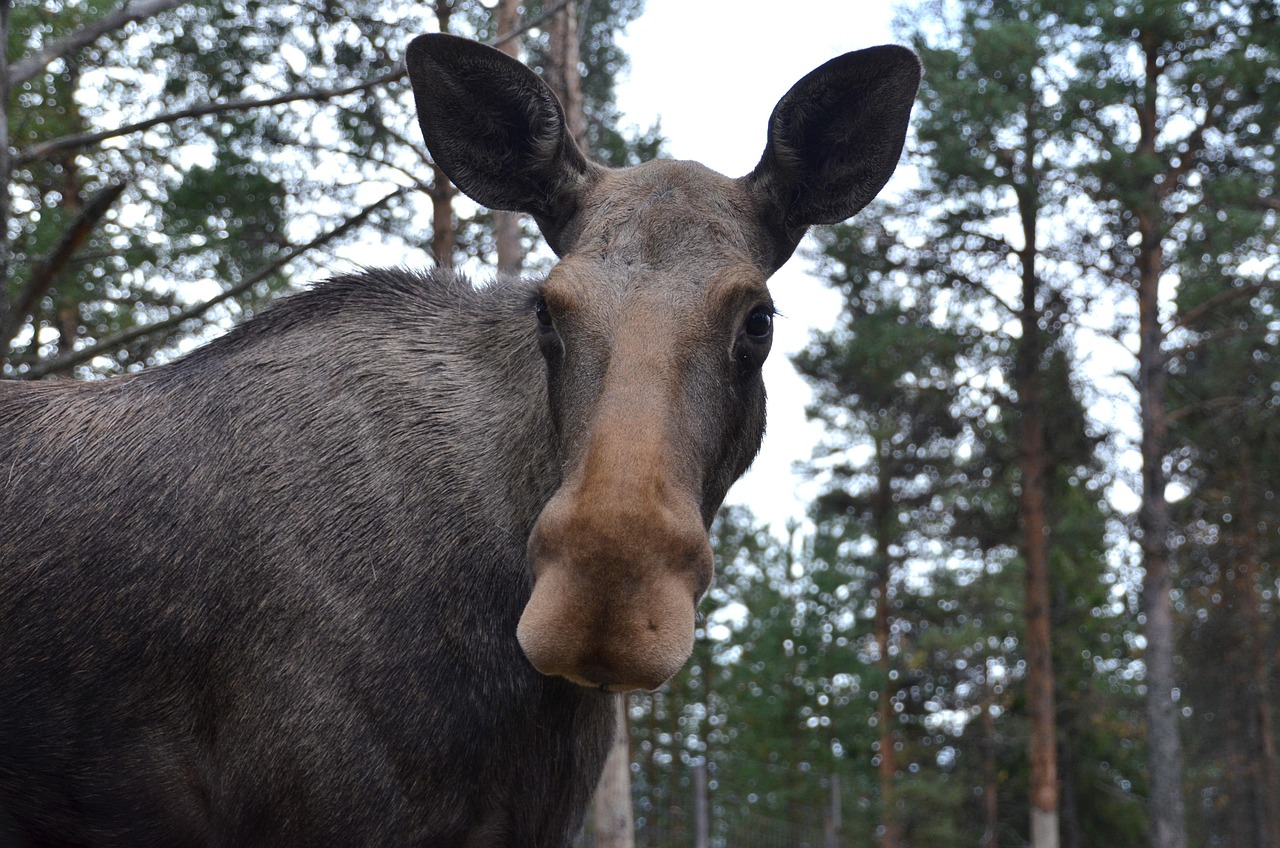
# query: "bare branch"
1194,314
995,244
1226,402
547,14
361,156
976,285
47,269
74,142
75,358
20,72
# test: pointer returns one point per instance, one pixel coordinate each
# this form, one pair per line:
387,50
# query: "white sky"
712,71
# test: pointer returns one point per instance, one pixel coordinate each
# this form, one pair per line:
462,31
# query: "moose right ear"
497,131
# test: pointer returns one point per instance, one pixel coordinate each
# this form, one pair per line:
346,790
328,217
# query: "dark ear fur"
834,141
497,131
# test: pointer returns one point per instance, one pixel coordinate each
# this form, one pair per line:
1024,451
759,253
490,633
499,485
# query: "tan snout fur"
617,583
620,555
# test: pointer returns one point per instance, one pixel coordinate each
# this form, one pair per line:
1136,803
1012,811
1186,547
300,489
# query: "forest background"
1033,599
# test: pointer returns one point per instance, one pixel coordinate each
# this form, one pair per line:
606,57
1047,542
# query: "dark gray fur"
238,607
268,595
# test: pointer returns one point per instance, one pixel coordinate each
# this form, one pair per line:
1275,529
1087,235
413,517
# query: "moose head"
654,325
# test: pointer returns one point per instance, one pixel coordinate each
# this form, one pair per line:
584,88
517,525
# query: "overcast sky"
712,71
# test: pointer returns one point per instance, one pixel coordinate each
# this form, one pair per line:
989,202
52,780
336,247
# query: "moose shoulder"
367,569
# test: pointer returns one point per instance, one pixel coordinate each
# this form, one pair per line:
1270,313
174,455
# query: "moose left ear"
834,141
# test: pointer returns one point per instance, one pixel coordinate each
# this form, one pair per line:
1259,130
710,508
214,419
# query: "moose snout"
616,588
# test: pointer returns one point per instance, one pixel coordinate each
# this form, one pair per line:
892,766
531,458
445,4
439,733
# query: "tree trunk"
651,730
833,820
444,229
1032,513
890,824
8,320
614,825
506,225
701,806
990,771
1168,821
1071,834
562,72
1166,810
1253,793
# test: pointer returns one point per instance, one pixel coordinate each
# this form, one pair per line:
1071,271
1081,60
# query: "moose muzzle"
618,572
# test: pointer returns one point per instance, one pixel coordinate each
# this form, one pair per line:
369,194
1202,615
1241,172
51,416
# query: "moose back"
368,569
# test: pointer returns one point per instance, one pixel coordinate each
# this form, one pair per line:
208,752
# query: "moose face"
653,327
654,330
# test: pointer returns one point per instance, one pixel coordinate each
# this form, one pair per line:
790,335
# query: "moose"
372,568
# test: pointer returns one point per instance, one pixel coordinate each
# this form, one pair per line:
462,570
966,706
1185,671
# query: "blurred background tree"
1092,196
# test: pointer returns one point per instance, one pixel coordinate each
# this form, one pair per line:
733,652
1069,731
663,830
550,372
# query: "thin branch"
1226,402
1194,314
359,156
1195,144
75,358
995,244
75,142
969,282
20,72
547,14
1203,339
47,269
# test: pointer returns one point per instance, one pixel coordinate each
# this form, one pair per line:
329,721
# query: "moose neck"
474,392
425,387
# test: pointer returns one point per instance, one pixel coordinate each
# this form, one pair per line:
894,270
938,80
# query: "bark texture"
506,225
611,808
1164,750
1033,513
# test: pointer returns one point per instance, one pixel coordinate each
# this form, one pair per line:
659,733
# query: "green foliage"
1225,388
223,195
208,200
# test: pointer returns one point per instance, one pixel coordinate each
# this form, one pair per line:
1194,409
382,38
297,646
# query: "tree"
1095,131
192,196
1174,102
884,383
1223,379
996,74
506,225
167,174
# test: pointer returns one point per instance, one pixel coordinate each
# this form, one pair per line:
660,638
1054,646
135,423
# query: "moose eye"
759,323
543,313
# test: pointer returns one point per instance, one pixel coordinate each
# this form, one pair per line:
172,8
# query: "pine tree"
1174,101
173,175
1224,398
884,382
